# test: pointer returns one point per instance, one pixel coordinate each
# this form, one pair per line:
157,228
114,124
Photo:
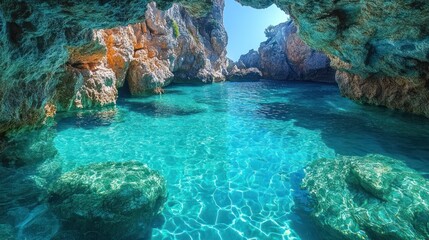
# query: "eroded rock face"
237,74
377,40
372,197
250,60
284,56
148,55
393,92
36,38
111,200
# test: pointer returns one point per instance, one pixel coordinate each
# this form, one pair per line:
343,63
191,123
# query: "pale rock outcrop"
250,60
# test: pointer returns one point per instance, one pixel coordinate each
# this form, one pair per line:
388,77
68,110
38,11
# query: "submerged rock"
21,148
371,197
7,232
112,200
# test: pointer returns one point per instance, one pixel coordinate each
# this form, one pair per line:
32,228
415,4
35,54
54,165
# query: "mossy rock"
7,232
371,197
114,200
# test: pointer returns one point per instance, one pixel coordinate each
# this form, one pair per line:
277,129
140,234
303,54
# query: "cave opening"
246,26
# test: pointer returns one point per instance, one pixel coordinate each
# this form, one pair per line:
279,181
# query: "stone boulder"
371,197
111,200
250,59
237,74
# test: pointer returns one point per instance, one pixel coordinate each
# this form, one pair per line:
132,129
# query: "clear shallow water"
233,153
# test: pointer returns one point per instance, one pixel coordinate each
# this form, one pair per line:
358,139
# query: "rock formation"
41,40
372,197
284,56
370,41
51,51
110,200
238,74
147,55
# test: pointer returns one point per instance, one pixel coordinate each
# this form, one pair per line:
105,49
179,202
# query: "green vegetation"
176,31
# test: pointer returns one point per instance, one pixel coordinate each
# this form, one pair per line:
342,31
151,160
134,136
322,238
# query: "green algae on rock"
114,200
6,232
371,197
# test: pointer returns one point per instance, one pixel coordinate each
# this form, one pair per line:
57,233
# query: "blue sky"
245,26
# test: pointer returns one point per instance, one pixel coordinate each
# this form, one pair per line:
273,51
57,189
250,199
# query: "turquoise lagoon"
233,153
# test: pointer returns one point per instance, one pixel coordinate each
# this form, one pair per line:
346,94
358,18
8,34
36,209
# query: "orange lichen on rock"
50,110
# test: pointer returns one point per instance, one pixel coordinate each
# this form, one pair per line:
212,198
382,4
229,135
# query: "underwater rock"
7,232
371,197
113,200
237,74
26,147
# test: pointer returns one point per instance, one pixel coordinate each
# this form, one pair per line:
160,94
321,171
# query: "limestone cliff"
284,56
168,45
382,46
44,43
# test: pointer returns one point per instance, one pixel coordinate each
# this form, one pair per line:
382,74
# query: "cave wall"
36,38
370,40
379,47
168,46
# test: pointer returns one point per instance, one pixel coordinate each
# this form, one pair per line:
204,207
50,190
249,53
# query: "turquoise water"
233,153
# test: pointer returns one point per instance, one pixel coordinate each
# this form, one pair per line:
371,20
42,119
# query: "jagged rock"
371,197
393,92
250,59
237,74
147,55
36,38
377,39
284,56
112,200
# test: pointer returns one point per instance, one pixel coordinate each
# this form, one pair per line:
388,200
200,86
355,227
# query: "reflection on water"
232,154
